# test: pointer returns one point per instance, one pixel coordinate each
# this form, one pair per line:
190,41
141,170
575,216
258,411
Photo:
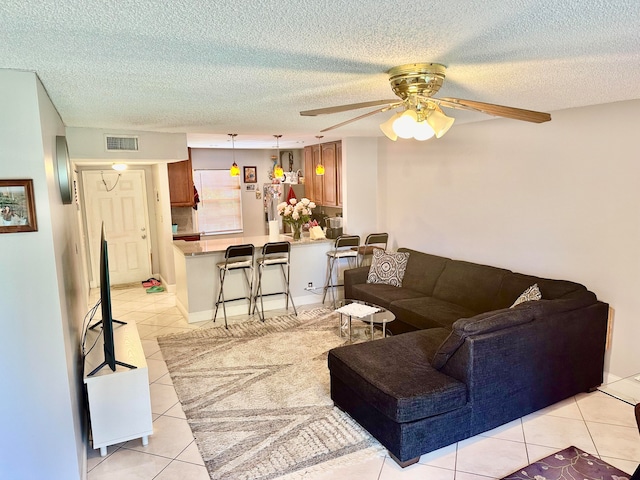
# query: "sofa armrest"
483,323
354,276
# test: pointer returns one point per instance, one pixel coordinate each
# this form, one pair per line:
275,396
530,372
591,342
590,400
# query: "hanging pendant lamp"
278,172
320,166
234,171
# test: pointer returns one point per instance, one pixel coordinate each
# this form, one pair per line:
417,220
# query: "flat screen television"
107,316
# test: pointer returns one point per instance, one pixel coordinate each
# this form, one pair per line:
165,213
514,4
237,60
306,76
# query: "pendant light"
278,172
320,166
234,171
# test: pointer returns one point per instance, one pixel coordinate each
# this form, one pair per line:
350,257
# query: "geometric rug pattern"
257,397
569,464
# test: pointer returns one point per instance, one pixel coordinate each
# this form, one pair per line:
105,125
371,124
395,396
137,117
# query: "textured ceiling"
249,67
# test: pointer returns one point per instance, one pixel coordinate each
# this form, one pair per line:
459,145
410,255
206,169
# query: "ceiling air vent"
121,143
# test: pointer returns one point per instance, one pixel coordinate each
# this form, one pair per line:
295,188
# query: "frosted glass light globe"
404,125
422,131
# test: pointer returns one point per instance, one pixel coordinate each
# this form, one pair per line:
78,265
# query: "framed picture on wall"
17,206
250,175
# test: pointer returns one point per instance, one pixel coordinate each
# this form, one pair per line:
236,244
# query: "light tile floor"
595,422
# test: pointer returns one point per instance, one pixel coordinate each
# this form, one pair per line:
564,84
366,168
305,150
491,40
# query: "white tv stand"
119,402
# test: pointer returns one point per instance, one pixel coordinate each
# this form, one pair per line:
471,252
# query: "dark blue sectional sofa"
460,361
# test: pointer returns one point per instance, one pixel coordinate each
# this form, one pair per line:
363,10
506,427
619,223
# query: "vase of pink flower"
296,213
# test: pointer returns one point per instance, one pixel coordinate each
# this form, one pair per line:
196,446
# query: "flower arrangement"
296,213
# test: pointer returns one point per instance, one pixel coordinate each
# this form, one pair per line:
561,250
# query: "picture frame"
17,206
251,188
250,175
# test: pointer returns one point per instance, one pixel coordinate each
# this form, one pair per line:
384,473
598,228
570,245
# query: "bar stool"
373,241
342,249
274,253
236,257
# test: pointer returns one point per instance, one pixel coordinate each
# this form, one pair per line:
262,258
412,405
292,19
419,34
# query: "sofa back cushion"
484,323
513,284
422,271
470,285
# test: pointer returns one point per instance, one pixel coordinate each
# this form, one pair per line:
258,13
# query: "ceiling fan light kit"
415,84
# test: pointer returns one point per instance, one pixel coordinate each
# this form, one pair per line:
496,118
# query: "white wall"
360,199
89,144
252,208
163,235
41,402
558,200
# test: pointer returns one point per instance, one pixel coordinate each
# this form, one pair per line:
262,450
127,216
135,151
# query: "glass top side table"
626,389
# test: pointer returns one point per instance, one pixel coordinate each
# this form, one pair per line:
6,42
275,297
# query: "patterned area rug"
569,464
257,396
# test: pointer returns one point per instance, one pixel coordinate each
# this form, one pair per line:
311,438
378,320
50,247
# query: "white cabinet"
119,402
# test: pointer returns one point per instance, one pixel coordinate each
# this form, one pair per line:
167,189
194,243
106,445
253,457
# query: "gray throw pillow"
531,293
388,268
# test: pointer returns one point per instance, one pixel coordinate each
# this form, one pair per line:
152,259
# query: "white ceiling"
250,66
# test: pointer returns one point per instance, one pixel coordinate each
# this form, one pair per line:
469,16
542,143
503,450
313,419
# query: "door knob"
144,236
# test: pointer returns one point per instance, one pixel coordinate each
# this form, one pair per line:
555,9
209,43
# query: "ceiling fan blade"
379,110
497,110
344,108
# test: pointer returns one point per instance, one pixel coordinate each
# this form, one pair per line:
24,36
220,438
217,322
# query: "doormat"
569,464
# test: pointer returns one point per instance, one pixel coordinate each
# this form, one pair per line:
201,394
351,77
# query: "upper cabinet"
181,183
324,189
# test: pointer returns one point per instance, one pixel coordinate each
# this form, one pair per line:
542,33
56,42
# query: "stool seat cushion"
343,253
273,261
234,265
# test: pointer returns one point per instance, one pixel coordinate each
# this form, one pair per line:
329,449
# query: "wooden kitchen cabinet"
181,183
324,189
318,180
330,196
339,174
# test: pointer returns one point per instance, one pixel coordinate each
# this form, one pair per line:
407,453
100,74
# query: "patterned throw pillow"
531,293
388,268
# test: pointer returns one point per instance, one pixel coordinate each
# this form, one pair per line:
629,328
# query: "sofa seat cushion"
405,389
429,312
382,294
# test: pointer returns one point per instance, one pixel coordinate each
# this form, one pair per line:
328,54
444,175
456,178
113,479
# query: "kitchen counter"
208,245
197,277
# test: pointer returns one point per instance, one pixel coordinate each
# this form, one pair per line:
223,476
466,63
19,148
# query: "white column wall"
164,237
557,200
360,204
43,299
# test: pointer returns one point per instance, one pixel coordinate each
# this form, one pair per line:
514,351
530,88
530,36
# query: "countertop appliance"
334,227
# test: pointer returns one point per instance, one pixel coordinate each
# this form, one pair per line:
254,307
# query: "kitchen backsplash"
183,216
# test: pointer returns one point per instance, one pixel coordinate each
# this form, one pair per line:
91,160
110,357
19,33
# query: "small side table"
381,317
626,389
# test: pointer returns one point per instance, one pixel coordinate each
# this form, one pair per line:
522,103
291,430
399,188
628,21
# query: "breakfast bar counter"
197,276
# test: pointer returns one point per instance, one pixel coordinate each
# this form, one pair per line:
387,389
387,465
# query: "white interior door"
119,200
